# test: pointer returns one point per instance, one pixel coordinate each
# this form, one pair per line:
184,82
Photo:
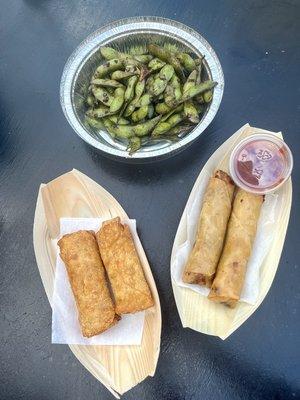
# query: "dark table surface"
258,46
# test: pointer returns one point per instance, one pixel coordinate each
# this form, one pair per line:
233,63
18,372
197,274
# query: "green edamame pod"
179,130
199,67
199,70
118,100
134,145
187,61
139,89
161,81
197,89
90,100
150,111
143,58
191,112
109,53
129,92
129,131
120,131
168,57
139,114
156,64
94,123
169,96
149,82
144,100
102,95
107,83
99,112
108,67
207,96
191,81
121,121
145,128
175,83
118,75
175,110
162,108
165,126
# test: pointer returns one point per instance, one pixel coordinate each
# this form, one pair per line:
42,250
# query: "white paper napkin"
65,325
261,246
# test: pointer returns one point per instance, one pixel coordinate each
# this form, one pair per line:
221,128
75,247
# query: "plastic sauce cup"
261,163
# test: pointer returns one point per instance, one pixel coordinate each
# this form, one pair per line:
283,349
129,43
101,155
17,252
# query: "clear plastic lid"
261,163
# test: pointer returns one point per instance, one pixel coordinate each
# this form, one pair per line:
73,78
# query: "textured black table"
258,45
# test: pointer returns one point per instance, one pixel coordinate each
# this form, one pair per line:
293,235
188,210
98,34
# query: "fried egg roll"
203,259
79,251
123,267
231,271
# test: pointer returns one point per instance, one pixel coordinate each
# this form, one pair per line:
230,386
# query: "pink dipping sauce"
261,163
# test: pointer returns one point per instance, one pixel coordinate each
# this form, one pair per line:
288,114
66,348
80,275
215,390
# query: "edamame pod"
175,110
143,58
94,123
129,131
161,81
102,95
197,89
191,81
145,128
139,89
139,114
179,130
108,67
134,145
107,83
144,100
165,126
162,108
207,96
98,112
129,92
168,57
191,112
187,61
150,111
118,100
121,121
156,64
90,100
118,75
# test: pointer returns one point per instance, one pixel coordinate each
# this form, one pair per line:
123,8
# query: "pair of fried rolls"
204,257
229,281
80,253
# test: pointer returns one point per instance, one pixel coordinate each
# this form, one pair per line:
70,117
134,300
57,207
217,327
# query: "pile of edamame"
154,92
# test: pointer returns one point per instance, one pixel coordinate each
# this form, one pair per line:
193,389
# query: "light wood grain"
73,194
195,310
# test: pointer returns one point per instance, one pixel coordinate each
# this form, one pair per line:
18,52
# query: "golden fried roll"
203,259
123,267
230,276
96,310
